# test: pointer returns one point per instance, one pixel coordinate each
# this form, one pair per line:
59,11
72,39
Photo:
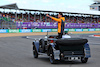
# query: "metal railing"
4,24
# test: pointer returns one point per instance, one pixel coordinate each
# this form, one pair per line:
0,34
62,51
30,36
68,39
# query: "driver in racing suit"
61,23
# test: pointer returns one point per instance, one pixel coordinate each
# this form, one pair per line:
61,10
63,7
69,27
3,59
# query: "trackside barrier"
25,30
13,30
3,30
85,29
36,30
44,30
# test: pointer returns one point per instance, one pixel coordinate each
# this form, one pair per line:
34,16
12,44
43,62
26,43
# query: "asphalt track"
17,52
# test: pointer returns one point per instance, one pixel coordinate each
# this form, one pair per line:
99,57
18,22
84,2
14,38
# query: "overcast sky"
50,4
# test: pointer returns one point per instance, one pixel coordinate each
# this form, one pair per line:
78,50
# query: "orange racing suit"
61,24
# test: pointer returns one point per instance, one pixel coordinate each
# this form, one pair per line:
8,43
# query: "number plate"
74,58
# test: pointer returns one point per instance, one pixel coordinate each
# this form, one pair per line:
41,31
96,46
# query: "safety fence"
44,30
6,23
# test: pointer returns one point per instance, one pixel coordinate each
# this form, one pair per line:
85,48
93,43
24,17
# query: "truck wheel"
35,53
84,60
52,60
42,46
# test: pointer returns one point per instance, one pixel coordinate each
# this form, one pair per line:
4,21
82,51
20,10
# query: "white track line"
94,36
33,38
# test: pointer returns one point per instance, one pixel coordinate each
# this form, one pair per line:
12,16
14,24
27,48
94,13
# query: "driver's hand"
47,15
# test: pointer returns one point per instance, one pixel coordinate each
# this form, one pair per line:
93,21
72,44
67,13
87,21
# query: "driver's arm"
56,19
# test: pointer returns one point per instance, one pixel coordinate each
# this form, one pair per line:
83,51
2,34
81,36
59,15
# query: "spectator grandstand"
8,20
42,18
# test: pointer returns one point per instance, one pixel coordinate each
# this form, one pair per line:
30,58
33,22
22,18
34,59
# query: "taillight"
51,41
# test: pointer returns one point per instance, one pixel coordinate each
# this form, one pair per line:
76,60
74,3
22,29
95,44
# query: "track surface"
17,52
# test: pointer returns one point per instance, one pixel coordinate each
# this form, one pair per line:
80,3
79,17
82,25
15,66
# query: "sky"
50,4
